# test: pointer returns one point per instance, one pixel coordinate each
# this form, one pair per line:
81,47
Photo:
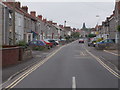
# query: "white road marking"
82,54
111,53
73,83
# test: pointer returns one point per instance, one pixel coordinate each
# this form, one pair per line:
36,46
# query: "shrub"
23,44
38,48
91,35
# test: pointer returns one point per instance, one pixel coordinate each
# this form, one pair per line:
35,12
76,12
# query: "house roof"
19,10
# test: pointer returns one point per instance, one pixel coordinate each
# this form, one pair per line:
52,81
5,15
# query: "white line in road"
73,83
81,53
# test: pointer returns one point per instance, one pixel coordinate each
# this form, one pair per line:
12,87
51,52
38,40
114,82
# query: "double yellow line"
19,79
15,82
104,65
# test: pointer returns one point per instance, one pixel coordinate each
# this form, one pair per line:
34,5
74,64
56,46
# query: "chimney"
33,13
50,22
17,4
44,20
25,8
61,26
40,17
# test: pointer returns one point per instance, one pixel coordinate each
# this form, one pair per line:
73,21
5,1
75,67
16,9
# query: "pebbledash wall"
1,42
1,26
19,26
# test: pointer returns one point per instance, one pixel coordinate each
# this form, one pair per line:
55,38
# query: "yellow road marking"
104,65
14,83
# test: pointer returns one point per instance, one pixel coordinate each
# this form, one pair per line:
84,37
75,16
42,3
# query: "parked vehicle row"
47,43
101,44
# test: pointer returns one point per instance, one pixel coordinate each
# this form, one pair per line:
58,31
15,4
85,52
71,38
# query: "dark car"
81,40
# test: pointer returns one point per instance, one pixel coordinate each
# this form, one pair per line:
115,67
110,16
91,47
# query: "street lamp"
98,16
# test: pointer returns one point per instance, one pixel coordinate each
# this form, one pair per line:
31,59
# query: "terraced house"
108,29
28,26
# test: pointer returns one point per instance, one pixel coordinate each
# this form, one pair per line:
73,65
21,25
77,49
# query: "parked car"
37,43
49,44
92,43
81,40
104,43
53,42
56,40
62,41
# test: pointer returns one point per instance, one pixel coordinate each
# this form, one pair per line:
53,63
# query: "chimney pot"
44,20
33,13
40,17
17,4
25,8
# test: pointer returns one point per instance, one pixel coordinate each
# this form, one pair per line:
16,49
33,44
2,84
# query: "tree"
91,35
75,34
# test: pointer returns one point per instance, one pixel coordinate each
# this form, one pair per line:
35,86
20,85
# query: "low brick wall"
10,56
111,47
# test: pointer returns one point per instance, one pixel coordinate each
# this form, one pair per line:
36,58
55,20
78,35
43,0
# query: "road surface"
71,67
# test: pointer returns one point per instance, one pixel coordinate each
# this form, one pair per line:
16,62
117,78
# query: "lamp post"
98,16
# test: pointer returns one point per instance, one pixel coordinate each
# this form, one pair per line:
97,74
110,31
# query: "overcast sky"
75,13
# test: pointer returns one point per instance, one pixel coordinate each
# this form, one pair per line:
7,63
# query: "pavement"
11,71
71,66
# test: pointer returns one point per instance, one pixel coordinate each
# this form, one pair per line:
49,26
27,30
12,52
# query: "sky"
74,12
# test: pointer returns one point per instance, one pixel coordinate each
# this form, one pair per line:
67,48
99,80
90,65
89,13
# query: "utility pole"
64,27
14,38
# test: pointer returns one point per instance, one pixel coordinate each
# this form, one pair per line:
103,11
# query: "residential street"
71,67
59,45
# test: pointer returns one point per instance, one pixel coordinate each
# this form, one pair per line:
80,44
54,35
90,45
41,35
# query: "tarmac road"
71,67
